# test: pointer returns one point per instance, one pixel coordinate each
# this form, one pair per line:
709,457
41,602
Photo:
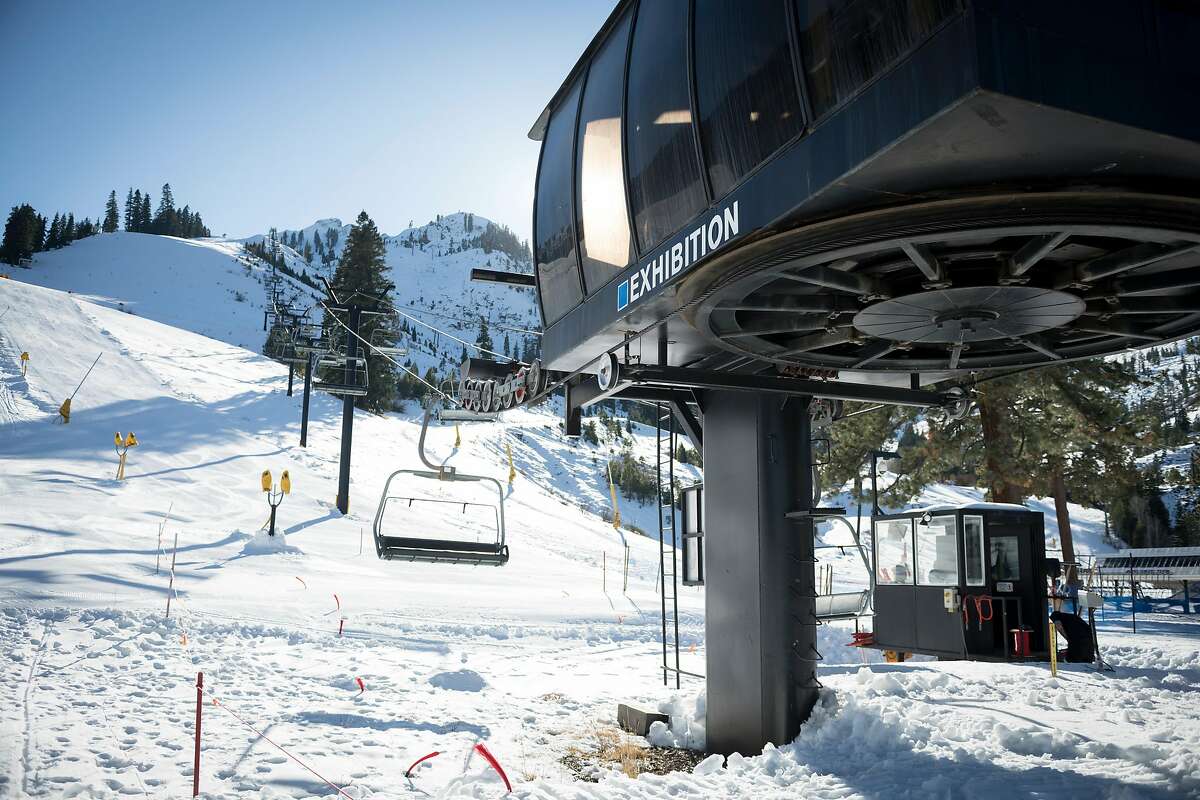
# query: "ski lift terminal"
742,206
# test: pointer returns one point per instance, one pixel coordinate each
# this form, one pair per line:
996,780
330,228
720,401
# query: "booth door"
939,625
1012,575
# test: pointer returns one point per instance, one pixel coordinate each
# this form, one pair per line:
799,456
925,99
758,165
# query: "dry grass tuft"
612,747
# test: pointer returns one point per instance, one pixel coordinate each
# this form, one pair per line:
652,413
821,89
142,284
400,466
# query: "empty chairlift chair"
338,374
310,337
488,547
280,345
488,543
381,343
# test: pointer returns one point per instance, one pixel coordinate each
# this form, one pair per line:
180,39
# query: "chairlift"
432,550
280,346
493,551
309,337
381,345
343,375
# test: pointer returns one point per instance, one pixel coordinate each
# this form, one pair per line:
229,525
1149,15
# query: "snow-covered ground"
97,689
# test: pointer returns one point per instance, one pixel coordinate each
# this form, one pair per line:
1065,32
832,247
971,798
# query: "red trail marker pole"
199,711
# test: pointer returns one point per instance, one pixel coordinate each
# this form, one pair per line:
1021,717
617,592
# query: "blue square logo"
622,294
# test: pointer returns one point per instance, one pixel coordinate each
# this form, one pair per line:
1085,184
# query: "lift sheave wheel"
965,285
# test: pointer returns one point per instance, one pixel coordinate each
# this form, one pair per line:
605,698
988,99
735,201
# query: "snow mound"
262,543
687,724
463,680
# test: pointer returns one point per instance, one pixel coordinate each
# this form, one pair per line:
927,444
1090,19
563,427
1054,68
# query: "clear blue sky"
281,113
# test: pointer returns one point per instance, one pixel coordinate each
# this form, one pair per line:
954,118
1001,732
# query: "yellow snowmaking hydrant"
123,446
275,496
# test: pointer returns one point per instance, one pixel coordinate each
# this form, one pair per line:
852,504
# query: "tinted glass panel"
1005,558
691,511
973,550
845,43
664,171
604,241
893,552
937,553
745,86
557,265
693,562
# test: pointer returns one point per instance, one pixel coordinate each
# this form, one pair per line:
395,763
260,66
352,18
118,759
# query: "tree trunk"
1000,488
1064,521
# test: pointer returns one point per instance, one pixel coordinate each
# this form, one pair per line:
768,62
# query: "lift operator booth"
745,211
961,582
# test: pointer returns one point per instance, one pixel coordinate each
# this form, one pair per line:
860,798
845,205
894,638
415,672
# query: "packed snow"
357,667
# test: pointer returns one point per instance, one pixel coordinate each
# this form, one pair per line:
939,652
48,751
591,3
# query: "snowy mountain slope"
430,266
207,286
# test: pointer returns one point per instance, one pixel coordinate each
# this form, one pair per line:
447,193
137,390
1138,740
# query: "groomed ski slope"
97,690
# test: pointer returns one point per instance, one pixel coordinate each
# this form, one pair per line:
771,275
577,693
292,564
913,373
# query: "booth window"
600,172
893,552
937,552
693,536
664,168
557,264
1005,558
847,43
973,550
745,86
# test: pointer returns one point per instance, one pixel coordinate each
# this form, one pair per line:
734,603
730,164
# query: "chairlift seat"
462,415
841,605
436,551
380,345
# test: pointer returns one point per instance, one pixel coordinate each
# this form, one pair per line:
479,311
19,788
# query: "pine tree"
22,235
112,219
137,213
68,234
484,339
39,237
164,219
131,211
144,218
362,270
308,253
54,236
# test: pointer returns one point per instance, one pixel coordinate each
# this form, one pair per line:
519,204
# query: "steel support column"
308,375
760,582
343,495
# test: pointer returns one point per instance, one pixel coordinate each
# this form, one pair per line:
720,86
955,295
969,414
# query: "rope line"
495,325
448,335
377,352
221,704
